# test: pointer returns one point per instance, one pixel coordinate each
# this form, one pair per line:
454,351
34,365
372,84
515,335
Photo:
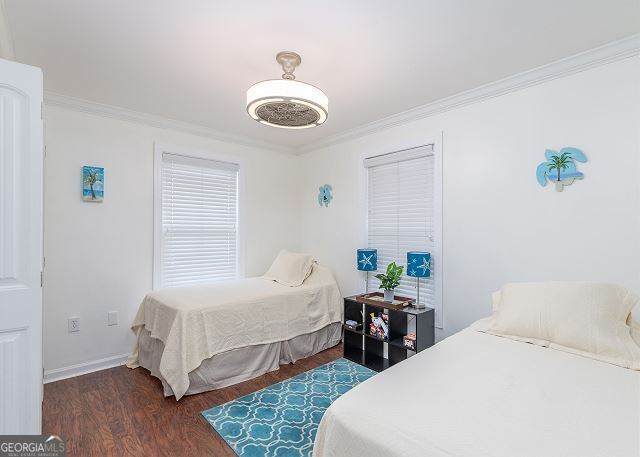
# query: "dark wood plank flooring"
122,412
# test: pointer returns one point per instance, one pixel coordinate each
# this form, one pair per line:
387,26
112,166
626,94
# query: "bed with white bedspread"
525,393
233,331
480,395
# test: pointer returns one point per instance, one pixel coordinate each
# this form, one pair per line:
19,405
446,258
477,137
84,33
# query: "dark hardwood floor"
122,412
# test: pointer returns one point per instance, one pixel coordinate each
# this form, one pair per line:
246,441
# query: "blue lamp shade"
419,264
367,259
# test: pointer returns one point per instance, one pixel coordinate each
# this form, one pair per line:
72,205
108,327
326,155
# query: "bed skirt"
240,364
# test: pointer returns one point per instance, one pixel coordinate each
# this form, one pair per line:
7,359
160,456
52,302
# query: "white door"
21,164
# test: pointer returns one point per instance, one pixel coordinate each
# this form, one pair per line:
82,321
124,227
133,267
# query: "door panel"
13,391
21,163
13,165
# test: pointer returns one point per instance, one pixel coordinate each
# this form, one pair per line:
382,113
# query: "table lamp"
367,261
419,266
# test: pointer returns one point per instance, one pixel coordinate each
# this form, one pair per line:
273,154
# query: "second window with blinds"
196,220
403,216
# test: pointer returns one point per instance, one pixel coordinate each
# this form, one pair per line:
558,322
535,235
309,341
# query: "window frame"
437,253
159,150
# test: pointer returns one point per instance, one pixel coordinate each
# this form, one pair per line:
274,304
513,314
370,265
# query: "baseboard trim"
79,369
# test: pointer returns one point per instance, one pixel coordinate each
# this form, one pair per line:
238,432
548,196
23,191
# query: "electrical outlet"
73,324
112,318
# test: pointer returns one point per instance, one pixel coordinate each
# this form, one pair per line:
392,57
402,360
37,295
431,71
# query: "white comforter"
198,322
480,395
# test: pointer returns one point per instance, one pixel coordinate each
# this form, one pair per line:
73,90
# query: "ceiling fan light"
286,103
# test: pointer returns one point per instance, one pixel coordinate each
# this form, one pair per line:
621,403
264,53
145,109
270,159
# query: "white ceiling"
192,60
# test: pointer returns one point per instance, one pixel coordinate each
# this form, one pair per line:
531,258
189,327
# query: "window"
196,233
404,215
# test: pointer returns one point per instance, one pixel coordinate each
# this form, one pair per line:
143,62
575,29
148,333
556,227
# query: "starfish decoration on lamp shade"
419,264
426,267
367,259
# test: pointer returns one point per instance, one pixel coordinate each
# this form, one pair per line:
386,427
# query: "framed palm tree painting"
92,184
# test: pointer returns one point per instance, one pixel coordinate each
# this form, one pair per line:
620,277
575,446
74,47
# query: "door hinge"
41,278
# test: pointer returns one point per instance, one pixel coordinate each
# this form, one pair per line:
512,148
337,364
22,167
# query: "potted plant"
390,280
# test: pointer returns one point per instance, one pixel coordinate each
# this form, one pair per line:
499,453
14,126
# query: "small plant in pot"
390,280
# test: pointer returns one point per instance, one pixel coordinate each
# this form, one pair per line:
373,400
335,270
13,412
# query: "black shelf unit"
367,350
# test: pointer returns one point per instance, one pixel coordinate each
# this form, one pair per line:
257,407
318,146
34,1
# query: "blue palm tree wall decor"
325,197
560,167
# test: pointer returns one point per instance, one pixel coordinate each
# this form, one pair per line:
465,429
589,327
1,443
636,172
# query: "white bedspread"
479,395
198,322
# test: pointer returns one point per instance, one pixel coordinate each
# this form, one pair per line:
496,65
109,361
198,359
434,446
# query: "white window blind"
401,215
199,221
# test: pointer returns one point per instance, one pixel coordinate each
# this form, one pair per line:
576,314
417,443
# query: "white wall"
99,255
499,224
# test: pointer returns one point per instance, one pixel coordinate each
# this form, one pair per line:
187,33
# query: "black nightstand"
367,350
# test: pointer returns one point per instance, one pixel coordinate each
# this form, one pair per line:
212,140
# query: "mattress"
197,322
478,395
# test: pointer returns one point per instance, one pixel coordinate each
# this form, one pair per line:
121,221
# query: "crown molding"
150,120
6,40
611,52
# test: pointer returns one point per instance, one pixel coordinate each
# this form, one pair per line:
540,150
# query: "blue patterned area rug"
282,419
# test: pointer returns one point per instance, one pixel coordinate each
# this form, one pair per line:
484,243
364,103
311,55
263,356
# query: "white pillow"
290,268
583,318
632,323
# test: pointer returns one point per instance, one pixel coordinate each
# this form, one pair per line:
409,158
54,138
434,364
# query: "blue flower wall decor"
560,167
325,197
